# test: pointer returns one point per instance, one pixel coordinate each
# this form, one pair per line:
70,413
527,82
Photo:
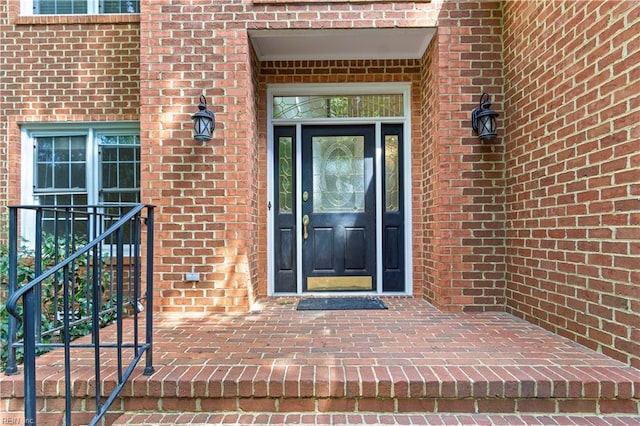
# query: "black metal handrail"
97,267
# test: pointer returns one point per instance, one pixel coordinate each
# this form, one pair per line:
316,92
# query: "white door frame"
341,89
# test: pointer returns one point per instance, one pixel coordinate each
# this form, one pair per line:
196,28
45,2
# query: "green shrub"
52,295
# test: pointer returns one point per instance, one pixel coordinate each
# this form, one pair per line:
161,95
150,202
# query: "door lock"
305,226
305,196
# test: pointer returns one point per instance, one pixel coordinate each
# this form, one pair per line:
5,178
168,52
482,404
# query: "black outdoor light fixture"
483,119
203,122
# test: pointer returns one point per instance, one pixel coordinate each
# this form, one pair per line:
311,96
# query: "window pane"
60,162
58,222
109,155
78,175
63,199
120,168
127,154
391,174
108,140
52,7
59,7
119,140
285,174
120,6
45,175
338,174
77,149
109,175
45,150
61,148
127,178
122,197
358,106
61,176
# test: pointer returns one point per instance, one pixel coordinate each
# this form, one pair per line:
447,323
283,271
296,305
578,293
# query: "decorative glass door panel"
338,174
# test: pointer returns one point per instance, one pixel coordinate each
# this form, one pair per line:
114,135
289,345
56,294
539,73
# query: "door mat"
339,303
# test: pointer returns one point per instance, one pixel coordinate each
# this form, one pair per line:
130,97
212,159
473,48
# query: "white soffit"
370,43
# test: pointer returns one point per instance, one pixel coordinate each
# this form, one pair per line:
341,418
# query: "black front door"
325,209
338,208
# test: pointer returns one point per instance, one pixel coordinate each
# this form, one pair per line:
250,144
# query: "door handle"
305,226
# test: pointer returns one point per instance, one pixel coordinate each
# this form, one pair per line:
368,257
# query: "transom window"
338,106
78,7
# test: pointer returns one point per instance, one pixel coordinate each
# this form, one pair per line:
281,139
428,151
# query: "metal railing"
81,271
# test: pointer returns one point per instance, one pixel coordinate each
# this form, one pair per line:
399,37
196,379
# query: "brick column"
205,192
462,181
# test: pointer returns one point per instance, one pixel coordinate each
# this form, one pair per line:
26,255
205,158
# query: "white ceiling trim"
369,43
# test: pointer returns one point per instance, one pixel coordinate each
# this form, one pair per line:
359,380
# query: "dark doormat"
339,303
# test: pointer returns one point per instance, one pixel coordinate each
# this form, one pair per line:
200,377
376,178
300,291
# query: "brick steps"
150,419
410,362
425,395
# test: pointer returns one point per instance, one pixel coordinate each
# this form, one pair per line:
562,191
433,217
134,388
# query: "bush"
52,309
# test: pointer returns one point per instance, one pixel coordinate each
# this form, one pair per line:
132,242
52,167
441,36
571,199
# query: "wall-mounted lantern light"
483,119
203,122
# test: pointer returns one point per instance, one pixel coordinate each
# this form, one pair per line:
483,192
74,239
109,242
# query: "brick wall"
46,80
573,170
212,198
426,166
458,214
463,199
206,192
543,220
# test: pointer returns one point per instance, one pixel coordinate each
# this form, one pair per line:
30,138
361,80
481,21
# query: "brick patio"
410,364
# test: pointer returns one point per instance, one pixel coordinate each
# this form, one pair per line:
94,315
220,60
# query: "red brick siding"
543,220
258,240
463,178
212,198
426,166
45,79
206,192
573,170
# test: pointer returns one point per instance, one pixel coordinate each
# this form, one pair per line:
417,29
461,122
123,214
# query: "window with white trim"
78,7
83,165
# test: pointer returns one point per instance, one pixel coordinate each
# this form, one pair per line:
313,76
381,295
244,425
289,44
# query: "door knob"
305,226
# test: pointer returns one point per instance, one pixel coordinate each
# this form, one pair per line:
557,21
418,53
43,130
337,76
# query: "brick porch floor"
410,364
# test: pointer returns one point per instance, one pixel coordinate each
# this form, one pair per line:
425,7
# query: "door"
338,208
326,175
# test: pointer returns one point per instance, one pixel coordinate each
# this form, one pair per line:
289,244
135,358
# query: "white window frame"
92,131
93,8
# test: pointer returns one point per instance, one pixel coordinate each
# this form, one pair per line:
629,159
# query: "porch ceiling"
369,43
